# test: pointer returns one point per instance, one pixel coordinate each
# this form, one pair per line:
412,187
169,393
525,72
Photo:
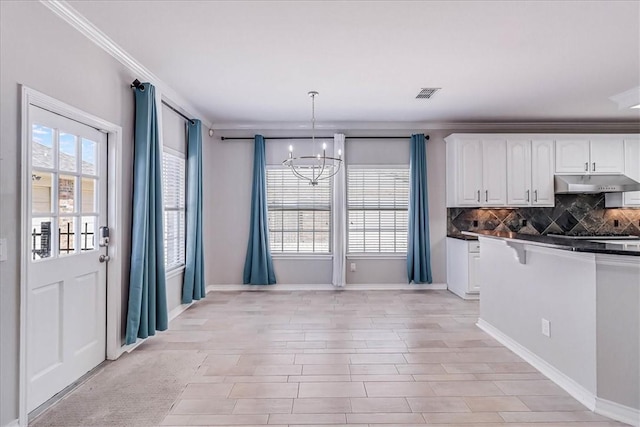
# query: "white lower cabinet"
463,258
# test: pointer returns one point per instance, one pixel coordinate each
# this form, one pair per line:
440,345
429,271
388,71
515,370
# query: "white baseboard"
14,423
179,310
328,287
618,412
576,390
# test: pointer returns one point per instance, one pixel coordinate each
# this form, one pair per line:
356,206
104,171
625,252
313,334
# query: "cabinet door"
519,173
469,171
607,156
632,169
572,156
494,173
474,261
542,191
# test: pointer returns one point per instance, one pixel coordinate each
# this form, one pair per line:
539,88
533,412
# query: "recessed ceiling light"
427,92
627,99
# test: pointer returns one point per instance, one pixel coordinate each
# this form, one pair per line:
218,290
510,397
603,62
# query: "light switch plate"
3,250
546,328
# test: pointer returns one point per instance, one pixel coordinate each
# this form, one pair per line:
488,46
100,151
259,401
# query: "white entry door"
66,289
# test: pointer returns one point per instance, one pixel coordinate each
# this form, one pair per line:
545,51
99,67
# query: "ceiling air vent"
427,92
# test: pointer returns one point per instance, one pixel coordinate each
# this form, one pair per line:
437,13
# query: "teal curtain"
147,310
258,266
419,250
193,286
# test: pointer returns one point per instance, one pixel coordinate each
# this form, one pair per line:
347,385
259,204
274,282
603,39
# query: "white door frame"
115,223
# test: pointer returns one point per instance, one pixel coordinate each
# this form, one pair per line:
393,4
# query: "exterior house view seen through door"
66,286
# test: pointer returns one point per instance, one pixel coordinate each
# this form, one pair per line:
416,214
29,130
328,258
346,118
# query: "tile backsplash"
572,214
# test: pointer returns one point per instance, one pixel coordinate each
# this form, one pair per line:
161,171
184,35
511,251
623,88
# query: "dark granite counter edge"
462,237
559,243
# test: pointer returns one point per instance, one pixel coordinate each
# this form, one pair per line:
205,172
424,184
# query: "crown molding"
85,27
569,126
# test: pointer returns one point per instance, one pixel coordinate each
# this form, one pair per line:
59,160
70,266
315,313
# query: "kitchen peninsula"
570,308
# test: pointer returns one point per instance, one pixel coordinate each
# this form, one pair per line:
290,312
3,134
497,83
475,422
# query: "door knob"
104,258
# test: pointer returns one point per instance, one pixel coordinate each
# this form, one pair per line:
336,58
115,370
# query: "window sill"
377,256
175,272
301,257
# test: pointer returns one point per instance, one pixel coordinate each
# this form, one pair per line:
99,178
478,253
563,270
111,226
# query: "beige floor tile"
264,390
315,419
508,376
379,405
552,403
266,359
469,419
530,388
445,377
319,378
381,418
495,404
325,369
398,389
515,367
537,417
421,368
256,379
278,370
203,406
432,358
215,420
206,390
322,405
373,369
437,404
322,359
329,389
465,388
387,378
364,359
263,406
466,368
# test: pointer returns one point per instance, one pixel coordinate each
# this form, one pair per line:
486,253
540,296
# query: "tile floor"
348,357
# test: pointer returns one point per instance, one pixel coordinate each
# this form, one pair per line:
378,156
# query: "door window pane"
41,192
42,146
40,238
66,233
88,233
89,186
89,157
66,193
68,152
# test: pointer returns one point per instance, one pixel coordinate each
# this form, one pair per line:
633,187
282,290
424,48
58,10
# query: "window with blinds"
299,214
377,204
174,188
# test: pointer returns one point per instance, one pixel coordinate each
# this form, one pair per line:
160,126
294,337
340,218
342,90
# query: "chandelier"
316,167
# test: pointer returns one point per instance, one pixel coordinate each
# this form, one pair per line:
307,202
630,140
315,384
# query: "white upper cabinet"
476,171
632,170
494,173
530,172
542,156
519,172
600,155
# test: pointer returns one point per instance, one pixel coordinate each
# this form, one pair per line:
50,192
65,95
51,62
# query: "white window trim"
372,255
304,255
174,270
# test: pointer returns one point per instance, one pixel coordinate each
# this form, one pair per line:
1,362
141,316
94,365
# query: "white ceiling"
495,60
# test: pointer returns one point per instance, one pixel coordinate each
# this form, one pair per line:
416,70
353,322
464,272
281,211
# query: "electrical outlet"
546,328
3,249
475,222
353,267
616,223
523,222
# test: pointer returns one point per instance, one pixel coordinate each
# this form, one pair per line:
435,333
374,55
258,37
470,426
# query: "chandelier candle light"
317,167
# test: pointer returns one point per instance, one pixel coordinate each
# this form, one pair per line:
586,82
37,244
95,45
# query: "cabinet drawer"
474,247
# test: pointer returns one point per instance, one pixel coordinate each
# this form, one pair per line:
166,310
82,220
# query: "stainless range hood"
571,184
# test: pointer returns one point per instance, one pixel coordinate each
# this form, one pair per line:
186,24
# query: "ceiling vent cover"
427,92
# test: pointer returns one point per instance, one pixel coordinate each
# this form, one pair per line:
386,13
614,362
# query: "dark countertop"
560,243
462,237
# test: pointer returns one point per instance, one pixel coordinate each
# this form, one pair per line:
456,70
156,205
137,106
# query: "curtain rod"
224,138
136,84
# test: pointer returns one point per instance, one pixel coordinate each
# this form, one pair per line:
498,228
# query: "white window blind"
377,203
299,214
174,187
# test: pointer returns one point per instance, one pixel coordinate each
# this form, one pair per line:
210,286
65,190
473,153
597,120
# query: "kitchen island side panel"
559,286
